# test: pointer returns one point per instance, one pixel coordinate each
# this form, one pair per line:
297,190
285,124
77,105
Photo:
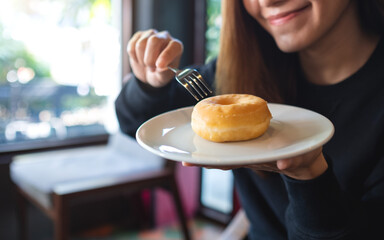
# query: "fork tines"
195,84
192,80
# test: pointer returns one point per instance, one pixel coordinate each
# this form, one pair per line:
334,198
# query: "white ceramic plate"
293,131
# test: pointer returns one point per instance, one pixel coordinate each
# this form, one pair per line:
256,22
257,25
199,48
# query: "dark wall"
175,16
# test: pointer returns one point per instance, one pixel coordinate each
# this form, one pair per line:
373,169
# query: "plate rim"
239,161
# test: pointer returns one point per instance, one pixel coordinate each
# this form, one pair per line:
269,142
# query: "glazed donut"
230,117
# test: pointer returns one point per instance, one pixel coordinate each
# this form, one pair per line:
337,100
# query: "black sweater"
347,201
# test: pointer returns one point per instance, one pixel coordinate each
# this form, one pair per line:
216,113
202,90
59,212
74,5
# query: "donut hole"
225,101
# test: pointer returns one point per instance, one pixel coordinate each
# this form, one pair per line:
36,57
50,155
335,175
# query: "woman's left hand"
304,167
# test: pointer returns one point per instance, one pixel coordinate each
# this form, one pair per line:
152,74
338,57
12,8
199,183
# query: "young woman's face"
297,24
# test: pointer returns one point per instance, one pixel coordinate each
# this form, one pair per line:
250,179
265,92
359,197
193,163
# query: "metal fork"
192,80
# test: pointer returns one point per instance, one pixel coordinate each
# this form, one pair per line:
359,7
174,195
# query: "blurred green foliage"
14,54
212,34
78,13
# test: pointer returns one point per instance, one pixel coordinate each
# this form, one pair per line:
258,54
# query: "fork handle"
173,69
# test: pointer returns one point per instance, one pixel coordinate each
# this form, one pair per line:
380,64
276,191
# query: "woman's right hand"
150,52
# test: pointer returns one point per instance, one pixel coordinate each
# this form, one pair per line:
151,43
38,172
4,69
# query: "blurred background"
59,68
62,64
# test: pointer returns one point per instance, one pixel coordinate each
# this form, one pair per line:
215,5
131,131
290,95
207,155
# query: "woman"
326,56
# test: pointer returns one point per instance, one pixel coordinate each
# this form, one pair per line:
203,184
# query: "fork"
192,80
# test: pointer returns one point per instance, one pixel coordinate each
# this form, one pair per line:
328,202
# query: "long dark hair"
250,62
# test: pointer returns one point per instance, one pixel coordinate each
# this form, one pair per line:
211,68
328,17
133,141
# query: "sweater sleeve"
136,103
320,209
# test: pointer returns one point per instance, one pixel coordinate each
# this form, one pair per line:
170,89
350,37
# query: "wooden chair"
52,180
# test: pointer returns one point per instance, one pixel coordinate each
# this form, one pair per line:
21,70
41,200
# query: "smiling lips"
282,18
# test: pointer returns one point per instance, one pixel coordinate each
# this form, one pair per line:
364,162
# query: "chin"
290,48
289,45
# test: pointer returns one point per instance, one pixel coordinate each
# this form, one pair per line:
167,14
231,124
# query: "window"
60,68
218,197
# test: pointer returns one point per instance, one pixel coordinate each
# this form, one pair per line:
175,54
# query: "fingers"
187,164
141,46
155,44
302,161
306,166
154,49
136,43
284,164
170,55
